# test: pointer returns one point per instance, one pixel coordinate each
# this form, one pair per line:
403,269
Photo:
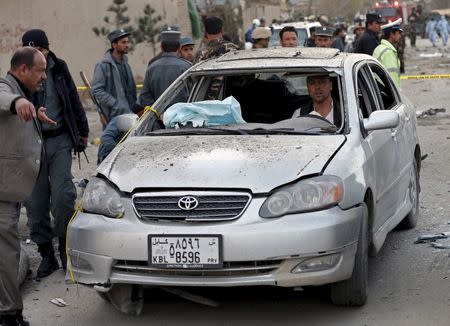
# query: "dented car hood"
256,162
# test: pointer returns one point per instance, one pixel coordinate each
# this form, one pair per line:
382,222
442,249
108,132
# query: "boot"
62,253
14,320
49,264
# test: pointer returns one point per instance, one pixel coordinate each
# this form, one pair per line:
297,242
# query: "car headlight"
100,198
306,195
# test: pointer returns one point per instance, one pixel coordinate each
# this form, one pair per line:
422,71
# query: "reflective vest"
387,55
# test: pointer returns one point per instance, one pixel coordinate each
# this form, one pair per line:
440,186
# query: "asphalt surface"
408,283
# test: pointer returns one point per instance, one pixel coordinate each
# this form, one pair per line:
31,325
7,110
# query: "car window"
385,88
367,100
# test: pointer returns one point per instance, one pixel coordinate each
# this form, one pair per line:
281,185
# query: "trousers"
53,192
10,297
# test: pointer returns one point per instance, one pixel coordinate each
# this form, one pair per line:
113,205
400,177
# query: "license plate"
185,251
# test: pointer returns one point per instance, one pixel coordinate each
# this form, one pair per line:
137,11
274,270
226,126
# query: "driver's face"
319,88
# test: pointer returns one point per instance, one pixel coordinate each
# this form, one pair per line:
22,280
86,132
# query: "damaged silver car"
274,199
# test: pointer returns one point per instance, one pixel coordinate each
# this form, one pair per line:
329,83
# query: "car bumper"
256,251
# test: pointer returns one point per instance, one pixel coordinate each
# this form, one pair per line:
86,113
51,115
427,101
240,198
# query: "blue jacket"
115,98
110,137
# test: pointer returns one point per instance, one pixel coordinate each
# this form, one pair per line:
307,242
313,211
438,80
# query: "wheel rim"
413,191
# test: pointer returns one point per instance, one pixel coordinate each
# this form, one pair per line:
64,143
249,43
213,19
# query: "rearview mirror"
381,120
126,121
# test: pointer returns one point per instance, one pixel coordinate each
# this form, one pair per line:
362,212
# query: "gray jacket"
160,75
114,97
20,148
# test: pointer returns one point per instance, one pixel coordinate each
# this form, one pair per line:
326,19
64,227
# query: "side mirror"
381,120
126,121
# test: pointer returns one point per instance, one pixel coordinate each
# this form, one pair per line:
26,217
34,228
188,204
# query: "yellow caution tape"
426,76
78,208
84,88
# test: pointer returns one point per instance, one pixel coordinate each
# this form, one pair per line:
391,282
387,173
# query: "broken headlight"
306,195
101,198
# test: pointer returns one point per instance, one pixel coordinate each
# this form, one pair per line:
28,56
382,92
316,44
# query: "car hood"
259,163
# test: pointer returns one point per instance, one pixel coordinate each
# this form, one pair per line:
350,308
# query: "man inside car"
322,103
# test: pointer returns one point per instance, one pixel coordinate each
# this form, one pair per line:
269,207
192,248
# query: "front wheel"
353,292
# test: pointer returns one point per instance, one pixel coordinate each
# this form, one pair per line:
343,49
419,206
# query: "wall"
68,24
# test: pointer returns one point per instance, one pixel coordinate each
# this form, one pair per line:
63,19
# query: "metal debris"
59,302
429,112
438,245
432,237
191,297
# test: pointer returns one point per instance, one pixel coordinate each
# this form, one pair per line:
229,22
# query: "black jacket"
367,42
75,120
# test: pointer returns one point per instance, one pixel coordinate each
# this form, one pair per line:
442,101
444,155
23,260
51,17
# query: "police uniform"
163,72
368,40
387,54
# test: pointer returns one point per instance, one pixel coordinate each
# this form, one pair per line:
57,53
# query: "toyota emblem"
188,203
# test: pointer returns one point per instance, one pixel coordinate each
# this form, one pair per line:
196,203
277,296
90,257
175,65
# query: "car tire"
353,292
410,220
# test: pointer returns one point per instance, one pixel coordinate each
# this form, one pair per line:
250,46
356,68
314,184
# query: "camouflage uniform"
214,48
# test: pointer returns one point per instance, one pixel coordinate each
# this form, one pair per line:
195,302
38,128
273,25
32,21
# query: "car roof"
277,57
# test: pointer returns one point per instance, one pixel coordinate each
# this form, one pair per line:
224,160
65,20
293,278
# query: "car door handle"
394,133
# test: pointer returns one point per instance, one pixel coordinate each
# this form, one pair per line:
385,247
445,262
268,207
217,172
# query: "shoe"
49,264
14,320
62,253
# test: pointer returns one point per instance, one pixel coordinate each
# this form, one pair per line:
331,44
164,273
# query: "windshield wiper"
324,130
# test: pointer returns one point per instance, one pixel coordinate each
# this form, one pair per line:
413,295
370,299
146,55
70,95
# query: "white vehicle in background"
303,32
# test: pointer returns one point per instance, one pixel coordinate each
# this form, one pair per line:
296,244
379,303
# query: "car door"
381,148
390,100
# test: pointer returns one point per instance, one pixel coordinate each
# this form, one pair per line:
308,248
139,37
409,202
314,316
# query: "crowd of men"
40,110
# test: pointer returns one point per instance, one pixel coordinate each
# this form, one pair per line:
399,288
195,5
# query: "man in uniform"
323,37
369,40
21,140
261,37
310,43
386,52
164,71
113,84
54,190
216,45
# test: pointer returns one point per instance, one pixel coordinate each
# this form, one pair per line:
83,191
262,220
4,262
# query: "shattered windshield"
252,103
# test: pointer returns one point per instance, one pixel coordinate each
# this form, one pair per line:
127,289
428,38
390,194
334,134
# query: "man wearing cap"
216,45
358,31
54,190
370,38
386,52
113,84
186,50
323,37
261,37
163,72
20,160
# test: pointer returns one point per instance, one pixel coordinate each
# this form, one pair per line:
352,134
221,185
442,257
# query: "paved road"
409,284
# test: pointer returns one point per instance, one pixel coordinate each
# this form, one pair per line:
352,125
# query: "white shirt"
329,117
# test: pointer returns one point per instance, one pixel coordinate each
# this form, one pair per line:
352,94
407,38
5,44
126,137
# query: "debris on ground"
438,245
432,237
423,157
59,302
431,55
429,112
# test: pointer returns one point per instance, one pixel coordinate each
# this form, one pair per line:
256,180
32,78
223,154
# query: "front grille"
245,268
210,207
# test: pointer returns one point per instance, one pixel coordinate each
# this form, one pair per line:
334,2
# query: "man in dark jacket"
370,39
163,72
113,84
54,190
